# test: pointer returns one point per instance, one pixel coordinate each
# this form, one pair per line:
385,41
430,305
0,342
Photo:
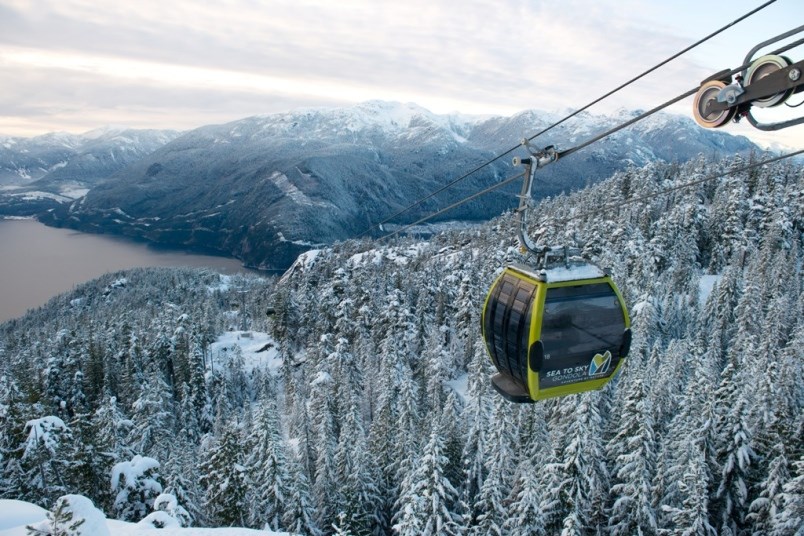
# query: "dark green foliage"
223,476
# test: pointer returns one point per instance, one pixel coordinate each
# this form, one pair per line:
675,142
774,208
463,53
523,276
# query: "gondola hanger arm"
538,159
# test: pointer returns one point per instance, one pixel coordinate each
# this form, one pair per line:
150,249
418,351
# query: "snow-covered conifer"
267,470
633,451
427,495
223,475
525,515
135,485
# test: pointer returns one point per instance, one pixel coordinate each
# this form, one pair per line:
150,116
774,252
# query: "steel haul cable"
609,205
561,154
457,204
568,117
567,152
680,187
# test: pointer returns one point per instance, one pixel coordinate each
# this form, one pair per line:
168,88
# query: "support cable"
568,117
607,206
455,205
595,139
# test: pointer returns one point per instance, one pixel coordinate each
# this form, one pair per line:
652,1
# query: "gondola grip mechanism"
538,159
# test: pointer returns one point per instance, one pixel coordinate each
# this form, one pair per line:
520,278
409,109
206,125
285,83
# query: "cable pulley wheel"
761,68
706,94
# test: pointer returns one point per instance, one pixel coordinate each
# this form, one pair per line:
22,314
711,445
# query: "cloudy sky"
75,65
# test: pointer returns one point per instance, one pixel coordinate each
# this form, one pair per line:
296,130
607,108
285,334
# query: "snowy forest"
376,414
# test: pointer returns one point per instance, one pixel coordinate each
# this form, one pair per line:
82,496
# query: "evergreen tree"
197,396
691,518
382,445
135,486
585,478
426,496
72,515
154,419
223,477
269,480
44,460
12,438
790,518
181,481
770,502
452,428
299,515
692,430
324,444
489,509
525,515
110,428
357,495
168,504
478,419
735,457
633,451
407,421
86,470
435,362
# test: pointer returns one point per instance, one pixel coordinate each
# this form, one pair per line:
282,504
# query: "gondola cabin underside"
554,332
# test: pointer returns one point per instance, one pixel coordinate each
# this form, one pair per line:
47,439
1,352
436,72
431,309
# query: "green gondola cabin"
554,332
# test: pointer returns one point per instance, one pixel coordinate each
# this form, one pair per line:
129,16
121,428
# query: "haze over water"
38,262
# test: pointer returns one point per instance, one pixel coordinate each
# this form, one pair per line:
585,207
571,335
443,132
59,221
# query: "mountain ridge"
259,187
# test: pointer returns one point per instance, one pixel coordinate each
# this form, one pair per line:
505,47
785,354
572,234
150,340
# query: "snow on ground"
705,286
461,386
120,528
225,283
259,349
84,515
37,195
18,513
400,256
303,261
282,182
74,192
297,242
15,515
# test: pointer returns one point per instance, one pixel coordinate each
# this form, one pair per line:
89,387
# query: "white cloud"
474,56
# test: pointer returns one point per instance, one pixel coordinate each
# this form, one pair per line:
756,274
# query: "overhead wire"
565,153
456,204
683,186
607,206
672,101
567,118
561,154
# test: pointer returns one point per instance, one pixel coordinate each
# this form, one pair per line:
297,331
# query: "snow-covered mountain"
266,188
58,167
23,160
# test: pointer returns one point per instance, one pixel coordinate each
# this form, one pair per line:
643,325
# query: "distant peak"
104,131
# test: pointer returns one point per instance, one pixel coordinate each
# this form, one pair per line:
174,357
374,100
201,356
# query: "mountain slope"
37,173
381,357
267,187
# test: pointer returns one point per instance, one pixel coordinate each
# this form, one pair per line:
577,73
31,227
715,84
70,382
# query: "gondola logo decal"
600,363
